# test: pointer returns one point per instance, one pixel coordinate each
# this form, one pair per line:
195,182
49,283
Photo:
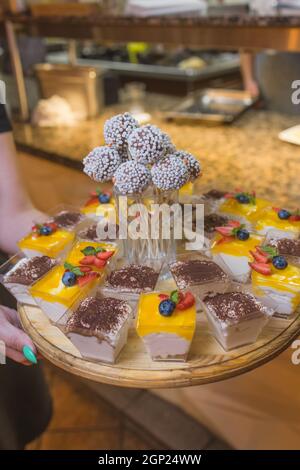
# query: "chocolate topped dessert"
214,194
28,271
133,278
67,219
233,307
191,272
286,246
100,317
211,221
90,233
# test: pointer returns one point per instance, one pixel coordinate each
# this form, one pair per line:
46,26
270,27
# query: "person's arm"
247,69
16,213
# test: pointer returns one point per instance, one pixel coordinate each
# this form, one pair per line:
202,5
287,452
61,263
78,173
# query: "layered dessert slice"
275,280
166,322
99,327
284,222
235,318
199,274
22,273
231,248
68,219
243,206
62,288
47,239
95,255
99,205
133,278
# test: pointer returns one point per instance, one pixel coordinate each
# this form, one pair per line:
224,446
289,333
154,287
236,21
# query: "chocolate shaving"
211,221
214,194
28,271
233,307
196,271
134,278
98,317
286,246
67,219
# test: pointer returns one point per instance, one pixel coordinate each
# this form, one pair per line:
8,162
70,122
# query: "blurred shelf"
227,32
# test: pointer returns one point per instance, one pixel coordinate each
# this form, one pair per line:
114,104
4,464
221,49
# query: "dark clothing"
4,122
25,403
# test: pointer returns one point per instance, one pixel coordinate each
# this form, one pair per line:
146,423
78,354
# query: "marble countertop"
247,154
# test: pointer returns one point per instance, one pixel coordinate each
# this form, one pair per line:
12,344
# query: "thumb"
16,339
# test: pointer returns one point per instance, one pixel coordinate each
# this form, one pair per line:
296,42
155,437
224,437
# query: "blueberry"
279,262
45,230
167,307
284,214
243,198
242,234
104,198
69,279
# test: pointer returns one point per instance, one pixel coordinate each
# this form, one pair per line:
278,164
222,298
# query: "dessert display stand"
207,361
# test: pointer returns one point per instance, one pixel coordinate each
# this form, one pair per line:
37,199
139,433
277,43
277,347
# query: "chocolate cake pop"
118,129
170,173
132,177
101,163
192,164
147,144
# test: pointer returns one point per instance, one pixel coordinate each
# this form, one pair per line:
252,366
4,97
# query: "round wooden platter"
207,361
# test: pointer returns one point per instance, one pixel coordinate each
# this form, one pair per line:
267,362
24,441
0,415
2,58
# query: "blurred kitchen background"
217,76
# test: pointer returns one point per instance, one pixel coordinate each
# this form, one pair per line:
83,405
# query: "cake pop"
170,173
132,177
118,129
147,144
101,163
192,164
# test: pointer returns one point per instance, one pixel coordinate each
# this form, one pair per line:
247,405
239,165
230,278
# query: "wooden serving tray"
207,363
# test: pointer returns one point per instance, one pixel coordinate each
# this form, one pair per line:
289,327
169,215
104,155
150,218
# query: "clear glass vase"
147,233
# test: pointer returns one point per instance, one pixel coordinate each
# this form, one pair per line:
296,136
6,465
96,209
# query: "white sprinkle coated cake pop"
191,163
170,173
101,163
132,177
147,144
118,129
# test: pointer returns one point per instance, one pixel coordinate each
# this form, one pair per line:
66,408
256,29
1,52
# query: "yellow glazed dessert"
275,280
186,190
65,285
100,205
285,223
47,239
243,206
166,331
231,248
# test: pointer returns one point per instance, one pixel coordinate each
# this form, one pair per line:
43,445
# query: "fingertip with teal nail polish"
29,355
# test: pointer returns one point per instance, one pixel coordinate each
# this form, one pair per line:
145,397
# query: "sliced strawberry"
261,268
85,269
93,194
294,218
99,263
234,223
52,225
229,195
163,296
91,201
104,255
88,260
276,209
83,280
259,257
187,301
225,231
224,240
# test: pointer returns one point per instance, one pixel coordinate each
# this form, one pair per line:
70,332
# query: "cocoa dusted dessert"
200,273
90,233
231,309
24,274
214,194
133,278
99,327
67,219
286,246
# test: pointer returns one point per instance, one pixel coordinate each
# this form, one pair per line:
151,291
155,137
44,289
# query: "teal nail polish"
29,355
